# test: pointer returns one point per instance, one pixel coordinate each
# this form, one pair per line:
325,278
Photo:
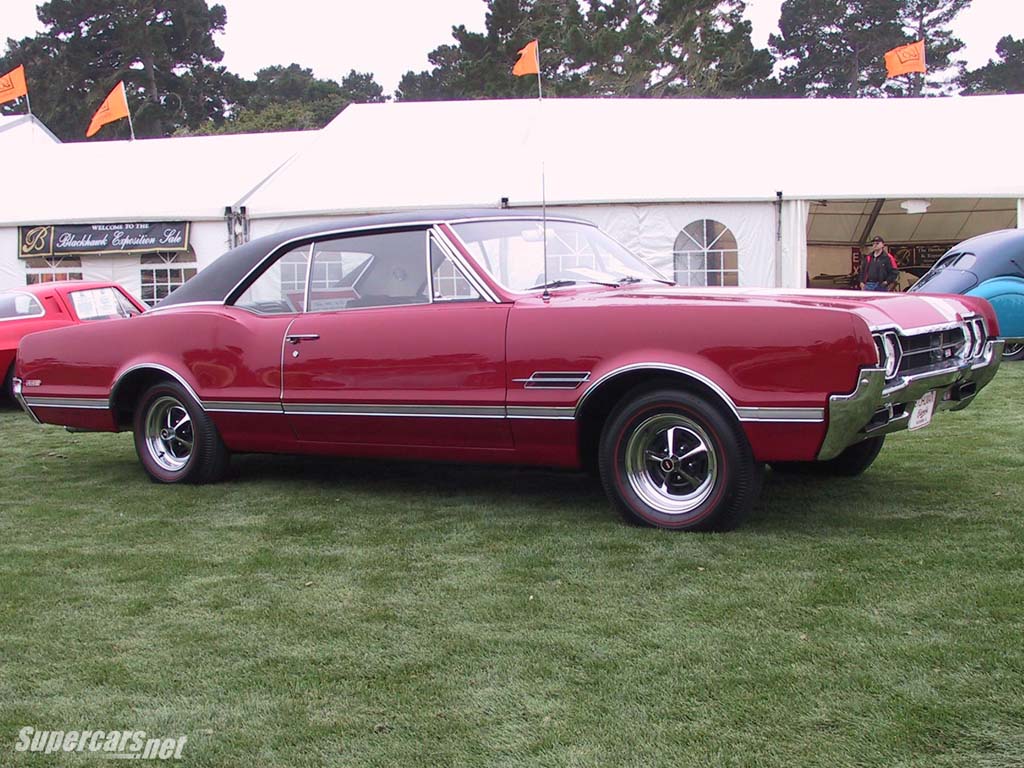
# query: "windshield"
16,306
512,252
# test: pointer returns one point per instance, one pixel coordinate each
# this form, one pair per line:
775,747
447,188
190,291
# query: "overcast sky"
390,37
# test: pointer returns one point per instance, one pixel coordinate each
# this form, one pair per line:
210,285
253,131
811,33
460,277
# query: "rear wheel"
851,462
671,459
7,386
175,439
1013,351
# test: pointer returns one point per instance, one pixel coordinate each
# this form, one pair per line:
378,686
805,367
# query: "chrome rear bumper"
17,386
876,409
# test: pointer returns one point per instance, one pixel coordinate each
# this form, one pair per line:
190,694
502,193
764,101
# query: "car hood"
878,310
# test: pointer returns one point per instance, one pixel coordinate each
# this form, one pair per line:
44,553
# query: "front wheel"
1013,351
175,439
671,459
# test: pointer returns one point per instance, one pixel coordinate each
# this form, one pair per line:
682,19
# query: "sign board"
79,239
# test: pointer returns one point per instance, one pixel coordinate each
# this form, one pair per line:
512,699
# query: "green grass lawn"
313,612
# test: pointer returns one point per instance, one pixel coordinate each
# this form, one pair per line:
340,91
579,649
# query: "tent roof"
24,131
190,178
380,157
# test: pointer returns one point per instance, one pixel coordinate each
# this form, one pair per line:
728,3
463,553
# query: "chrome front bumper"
875,408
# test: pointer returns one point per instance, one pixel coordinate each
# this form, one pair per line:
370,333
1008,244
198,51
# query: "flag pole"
546,296
131,127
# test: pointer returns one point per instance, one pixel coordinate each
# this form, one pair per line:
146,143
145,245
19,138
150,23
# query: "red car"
54,305
508,337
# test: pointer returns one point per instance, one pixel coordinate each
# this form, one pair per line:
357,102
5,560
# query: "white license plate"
921,416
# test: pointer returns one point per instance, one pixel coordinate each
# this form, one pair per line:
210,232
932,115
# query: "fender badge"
32,383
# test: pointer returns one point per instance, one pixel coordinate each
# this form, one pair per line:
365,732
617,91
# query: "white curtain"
793,266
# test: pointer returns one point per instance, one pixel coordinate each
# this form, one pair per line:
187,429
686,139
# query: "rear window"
15,306
101,304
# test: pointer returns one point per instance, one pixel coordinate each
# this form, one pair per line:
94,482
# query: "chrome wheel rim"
671,463
169,435
1009,350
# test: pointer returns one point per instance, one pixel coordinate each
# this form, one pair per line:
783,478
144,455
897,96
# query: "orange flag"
113,108
528,62
905,59
12,85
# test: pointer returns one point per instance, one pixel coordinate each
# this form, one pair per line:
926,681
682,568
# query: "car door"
398,347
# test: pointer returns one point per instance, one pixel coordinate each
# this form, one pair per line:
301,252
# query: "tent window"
706,253
48,269
163,272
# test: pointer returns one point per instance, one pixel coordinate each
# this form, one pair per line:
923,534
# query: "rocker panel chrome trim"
84,403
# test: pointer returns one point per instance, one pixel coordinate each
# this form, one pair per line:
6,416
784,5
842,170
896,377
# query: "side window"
101,304
362,271
447,281
281,289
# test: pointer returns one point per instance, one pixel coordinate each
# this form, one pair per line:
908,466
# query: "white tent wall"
650,231
793,266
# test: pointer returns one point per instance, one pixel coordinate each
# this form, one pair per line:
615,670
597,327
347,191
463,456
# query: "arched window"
705,253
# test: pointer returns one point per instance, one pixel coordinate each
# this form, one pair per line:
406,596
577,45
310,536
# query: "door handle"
297,338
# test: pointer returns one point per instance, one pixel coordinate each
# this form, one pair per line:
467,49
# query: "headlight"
980,335
893,353
890,352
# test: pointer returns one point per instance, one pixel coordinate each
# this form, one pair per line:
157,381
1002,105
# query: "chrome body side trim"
151,310
802,415
237,406
156,367
16,386
659,367
554,380
426,411
86,403
530,412
460,263
873,409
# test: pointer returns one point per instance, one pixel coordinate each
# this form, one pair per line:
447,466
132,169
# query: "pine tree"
929,20
835,47
1003,76
653,48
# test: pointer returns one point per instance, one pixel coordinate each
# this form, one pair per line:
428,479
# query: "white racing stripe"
942,306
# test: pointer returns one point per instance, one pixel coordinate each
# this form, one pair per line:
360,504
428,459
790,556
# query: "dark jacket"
880,269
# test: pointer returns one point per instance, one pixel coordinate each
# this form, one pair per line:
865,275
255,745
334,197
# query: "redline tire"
175,439
670,459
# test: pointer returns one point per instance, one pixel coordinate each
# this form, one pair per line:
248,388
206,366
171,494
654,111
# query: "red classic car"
53,305
504,336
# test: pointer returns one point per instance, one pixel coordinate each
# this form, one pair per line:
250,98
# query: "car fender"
1006,295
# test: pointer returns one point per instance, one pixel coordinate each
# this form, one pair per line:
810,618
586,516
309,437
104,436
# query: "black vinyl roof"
214,282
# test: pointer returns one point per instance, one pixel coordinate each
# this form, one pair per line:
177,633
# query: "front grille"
927,351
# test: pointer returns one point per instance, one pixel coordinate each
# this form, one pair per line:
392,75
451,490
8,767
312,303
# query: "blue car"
990,266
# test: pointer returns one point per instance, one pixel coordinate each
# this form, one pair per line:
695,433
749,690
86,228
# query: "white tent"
150,179
189,180
24,133
646,169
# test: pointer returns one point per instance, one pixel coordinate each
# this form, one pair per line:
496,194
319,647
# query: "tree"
1003,76
652,48
291,99
162,49
835,47
929,20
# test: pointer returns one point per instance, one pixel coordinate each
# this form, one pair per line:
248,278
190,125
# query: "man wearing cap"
878,270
